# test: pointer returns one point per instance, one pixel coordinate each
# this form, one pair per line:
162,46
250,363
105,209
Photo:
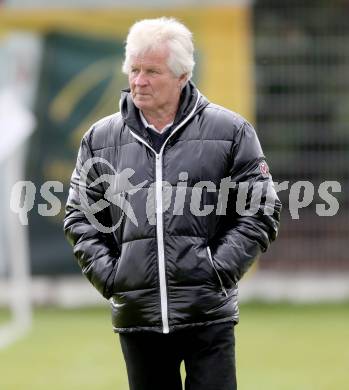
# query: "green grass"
279,347
293,347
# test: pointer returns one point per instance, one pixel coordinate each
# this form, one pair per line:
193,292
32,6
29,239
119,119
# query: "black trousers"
153,359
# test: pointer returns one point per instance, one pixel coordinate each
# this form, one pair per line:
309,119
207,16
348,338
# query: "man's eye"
133,71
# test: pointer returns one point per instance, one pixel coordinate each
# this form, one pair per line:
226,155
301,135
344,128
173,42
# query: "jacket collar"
188,99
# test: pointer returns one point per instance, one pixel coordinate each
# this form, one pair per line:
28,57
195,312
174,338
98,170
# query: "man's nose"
141,79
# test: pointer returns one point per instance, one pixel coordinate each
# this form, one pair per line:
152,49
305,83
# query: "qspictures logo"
116,189
118,185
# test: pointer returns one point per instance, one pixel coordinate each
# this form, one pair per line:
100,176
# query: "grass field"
279,347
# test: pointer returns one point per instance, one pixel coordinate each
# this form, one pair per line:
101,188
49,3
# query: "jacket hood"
190,98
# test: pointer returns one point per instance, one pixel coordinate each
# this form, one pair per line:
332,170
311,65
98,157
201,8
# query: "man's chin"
141,103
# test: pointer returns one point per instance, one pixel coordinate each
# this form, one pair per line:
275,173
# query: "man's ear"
183,79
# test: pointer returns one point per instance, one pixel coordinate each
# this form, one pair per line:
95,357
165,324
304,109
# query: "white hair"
150,34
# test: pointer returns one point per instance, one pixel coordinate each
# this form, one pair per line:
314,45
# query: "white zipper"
159,233
161,248
159,219
215,269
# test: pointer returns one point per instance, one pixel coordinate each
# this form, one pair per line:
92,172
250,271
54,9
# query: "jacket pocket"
110,282
216,271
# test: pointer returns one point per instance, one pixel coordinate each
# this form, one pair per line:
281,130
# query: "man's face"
153,86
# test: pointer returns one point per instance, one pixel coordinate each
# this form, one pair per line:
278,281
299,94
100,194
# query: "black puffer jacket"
167,262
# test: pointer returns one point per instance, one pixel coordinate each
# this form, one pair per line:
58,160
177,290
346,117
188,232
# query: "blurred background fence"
283,65
302,113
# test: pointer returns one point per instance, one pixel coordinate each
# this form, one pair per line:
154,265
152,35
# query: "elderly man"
155,218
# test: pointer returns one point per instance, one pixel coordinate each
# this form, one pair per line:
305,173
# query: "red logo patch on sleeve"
264,169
